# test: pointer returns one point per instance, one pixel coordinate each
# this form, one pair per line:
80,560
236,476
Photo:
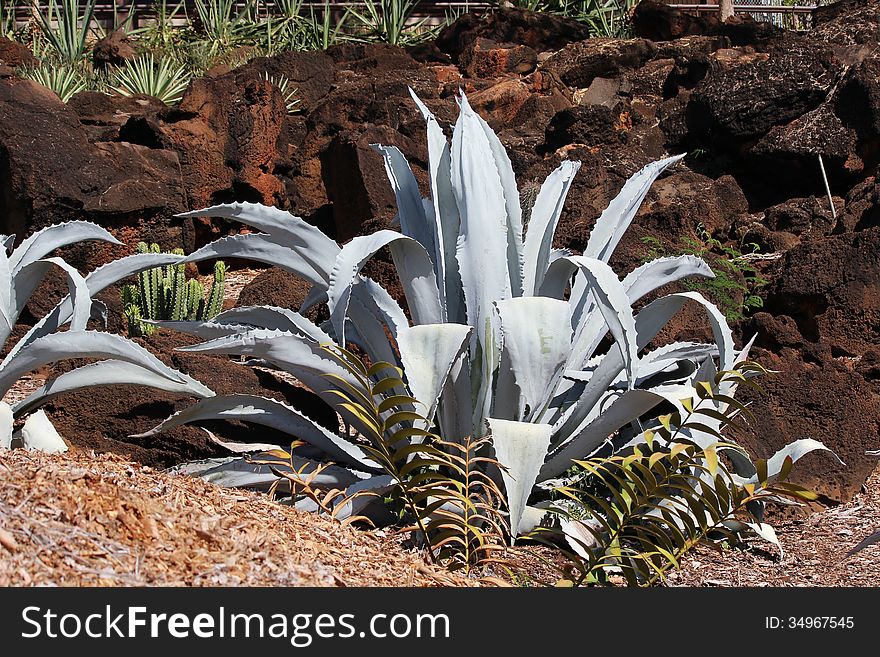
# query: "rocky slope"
753,106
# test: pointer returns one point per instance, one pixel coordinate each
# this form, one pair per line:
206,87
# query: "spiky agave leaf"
163,78
463,259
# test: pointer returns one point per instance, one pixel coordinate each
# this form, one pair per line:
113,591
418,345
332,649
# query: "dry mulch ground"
815,551
78,519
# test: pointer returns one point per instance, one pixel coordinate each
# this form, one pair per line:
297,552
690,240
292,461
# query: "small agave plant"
124,362
503,334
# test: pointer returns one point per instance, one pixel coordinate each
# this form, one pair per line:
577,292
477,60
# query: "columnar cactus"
215,300
165,293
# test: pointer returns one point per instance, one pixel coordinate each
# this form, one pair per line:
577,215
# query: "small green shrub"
66,27
65,80
164,293
161,78
282,82
737,284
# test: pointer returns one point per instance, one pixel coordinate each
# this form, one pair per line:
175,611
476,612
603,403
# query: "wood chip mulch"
81,519
815,551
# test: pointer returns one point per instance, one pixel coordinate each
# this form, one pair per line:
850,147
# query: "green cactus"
214,304
177,303
164,293
133,316
195,300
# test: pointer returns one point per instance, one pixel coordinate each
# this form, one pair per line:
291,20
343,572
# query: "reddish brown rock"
578,64
540,31
831,287
484,58
225,131
103,115
658,21
115,49
819,396
51,173
500,103
15,54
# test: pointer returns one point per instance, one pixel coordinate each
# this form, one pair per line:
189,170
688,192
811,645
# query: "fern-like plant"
440,489
636,514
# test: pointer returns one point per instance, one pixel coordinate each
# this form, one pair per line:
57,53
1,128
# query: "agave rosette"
503,333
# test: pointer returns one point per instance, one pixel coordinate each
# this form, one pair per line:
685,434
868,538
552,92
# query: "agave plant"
503,333
163,79
391,21
225,24
66,26
65,80
125,362
288,91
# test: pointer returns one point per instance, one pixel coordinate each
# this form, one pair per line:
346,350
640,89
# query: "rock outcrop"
753,106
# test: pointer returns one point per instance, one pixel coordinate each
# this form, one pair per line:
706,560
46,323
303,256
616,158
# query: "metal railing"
107,12
792,17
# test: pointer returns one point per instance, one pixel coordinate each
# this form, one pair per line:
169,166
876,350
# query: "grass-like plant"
164,78
390,21
67,26
288,91
22,269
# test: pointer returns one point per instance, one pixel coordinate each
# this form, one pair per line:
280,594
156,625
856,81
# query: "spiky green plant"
66,27
282,82
390,21
163,78
164,293
8,27
64,80
225,25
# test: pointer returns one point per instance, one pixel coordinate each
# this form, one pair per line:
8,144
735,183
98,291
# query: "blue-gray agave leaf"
616,218
109,373
309,251
270,413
